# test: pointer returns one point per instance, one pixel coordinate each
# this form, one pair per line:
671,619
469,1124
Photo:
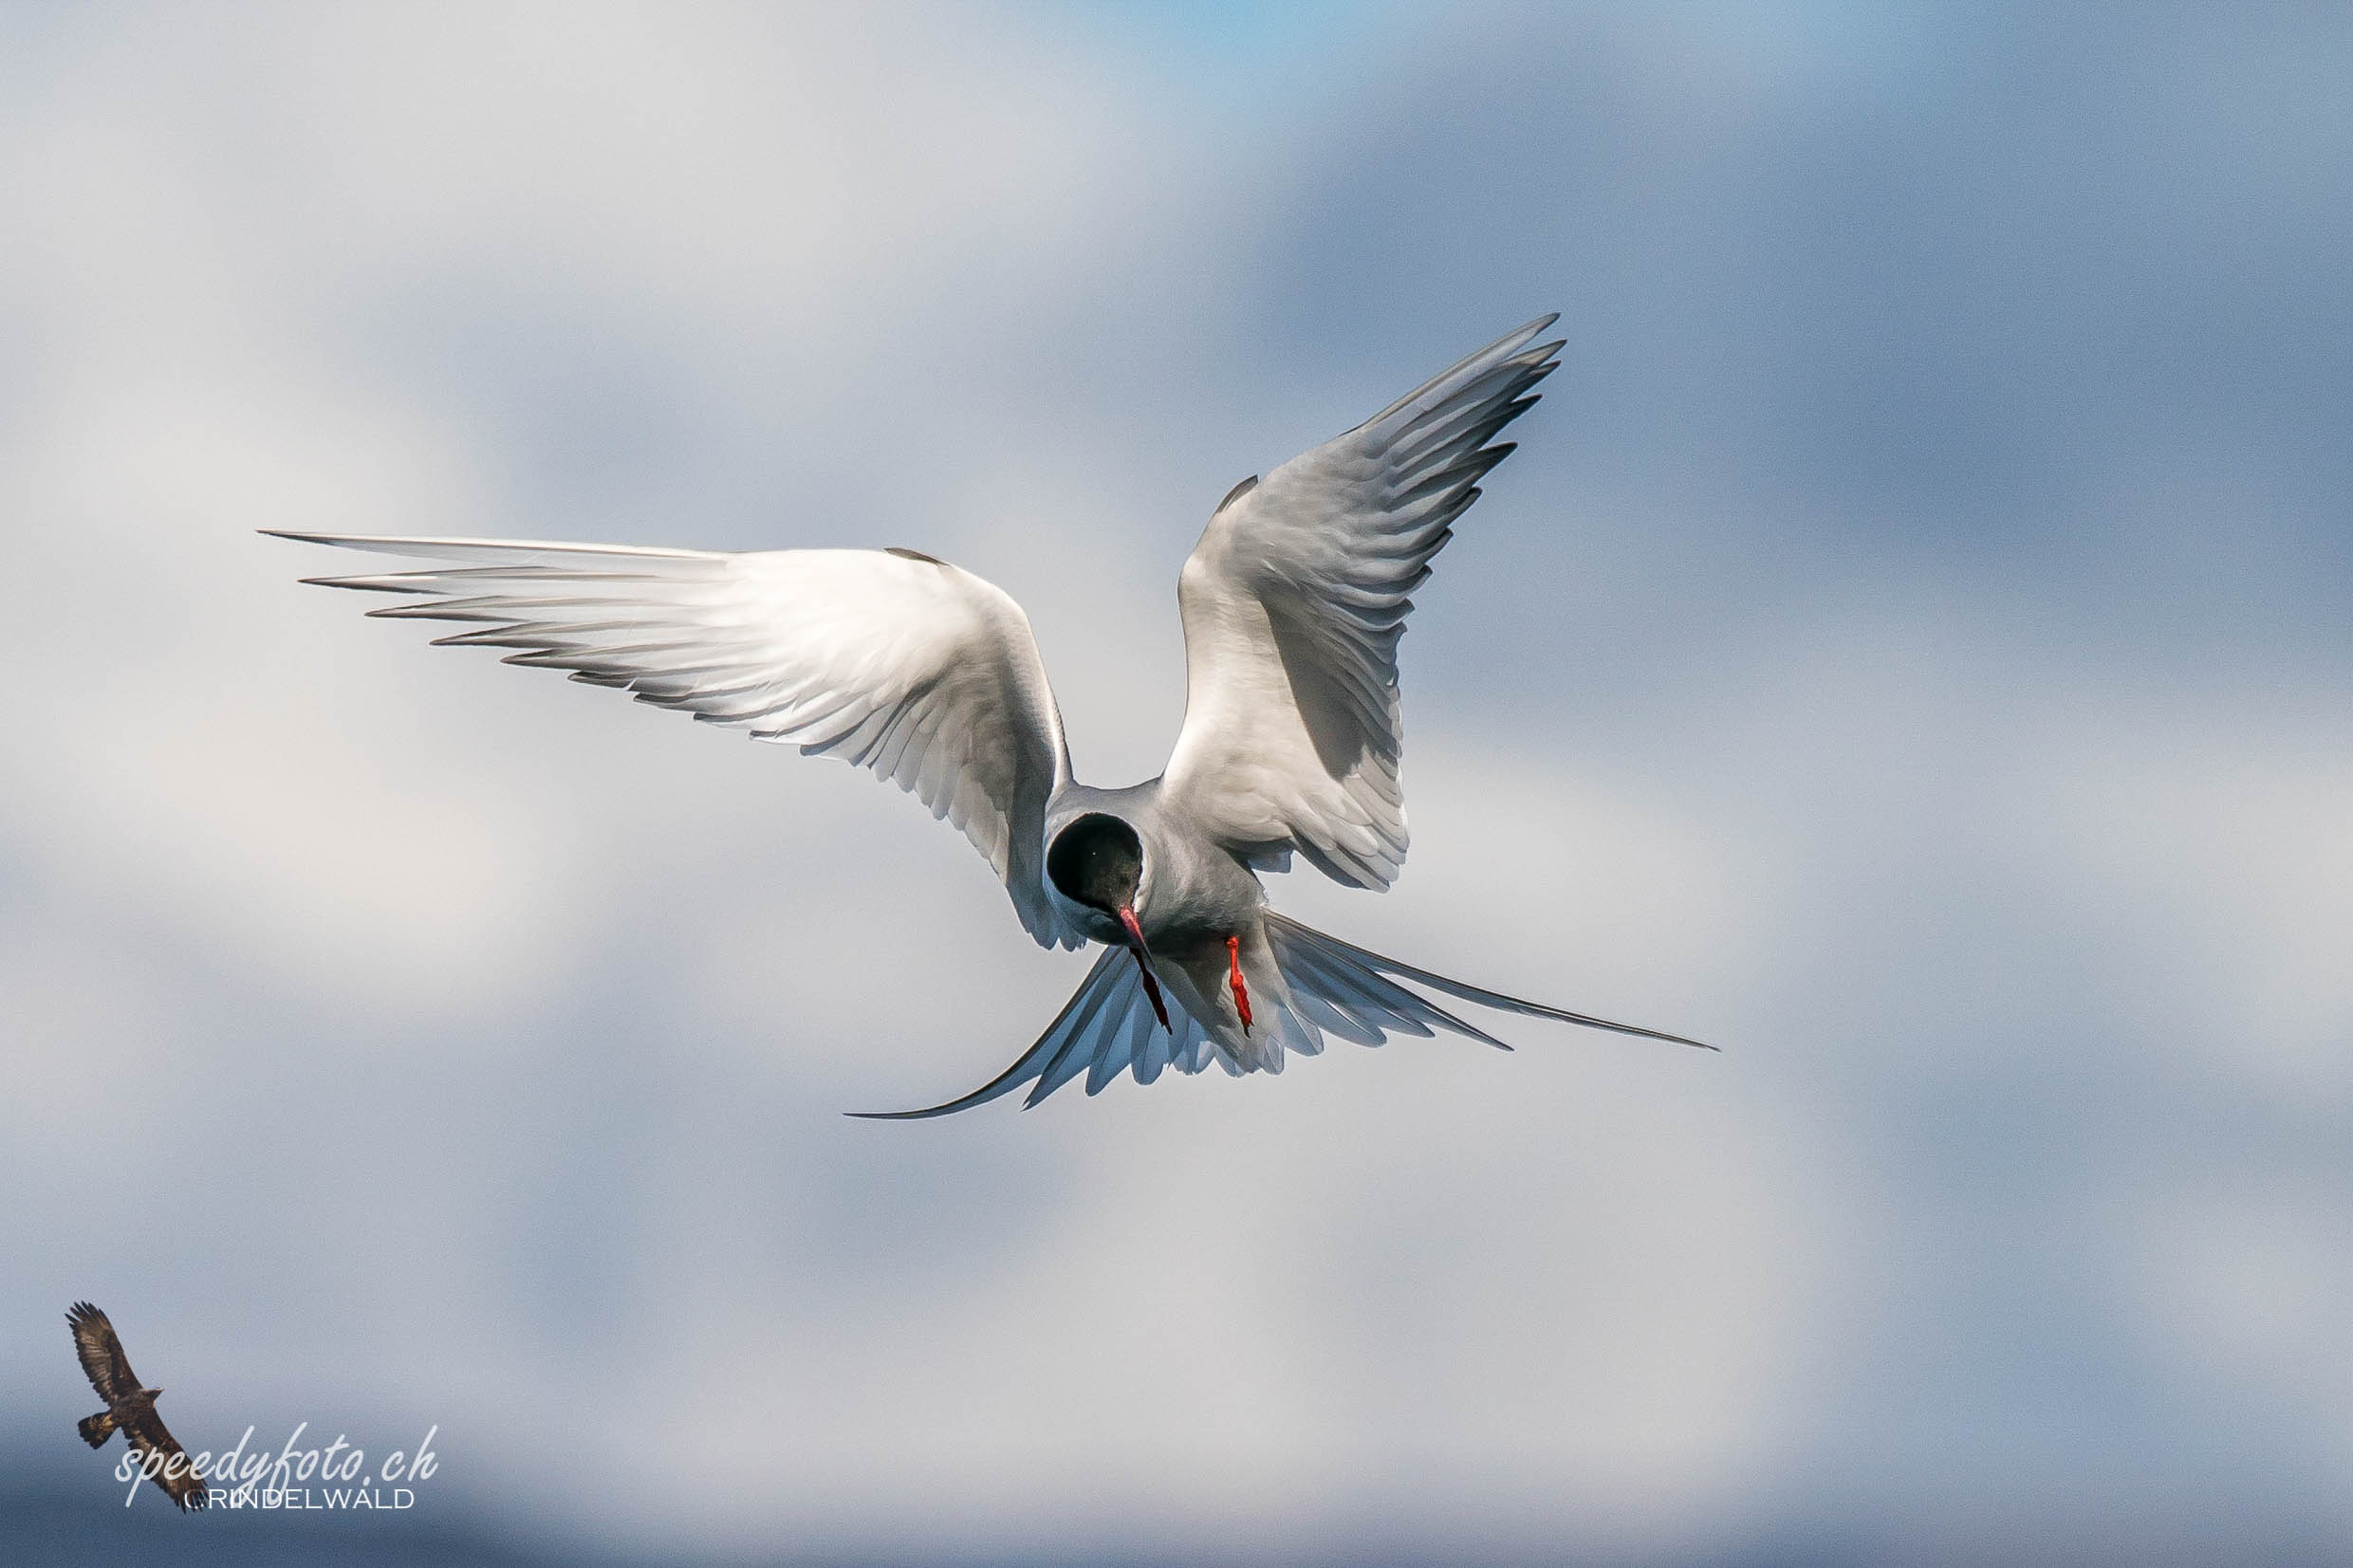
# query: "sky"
1909,649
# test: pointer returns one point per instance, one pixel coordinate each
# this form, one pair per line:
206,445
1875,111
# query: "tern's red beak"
1144,955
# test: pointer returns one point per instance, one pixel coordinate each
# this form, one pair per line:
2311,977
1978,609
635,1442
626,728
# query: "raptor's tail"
95,1429
1303,983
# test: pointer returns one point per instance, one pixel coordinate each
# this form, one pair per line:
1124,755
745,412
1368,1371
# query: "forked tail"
1318,966
1329,987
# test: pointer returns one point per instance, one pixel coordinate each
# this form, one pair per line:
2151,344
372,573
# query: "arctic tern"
1292,606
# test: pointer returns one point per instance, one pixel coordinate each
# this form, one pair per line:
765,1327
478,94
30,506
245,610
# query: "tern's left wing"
886,658
1293,603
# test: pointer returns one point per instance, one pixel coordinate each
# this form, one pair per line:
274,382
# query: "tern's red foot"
1241,991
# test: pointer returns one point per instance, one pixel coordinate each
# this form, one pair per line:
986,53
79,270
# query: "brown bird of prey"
130,1408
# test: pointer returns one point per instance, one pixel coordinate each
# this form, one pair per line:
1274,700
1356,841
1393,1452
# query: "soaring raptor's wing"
886,658
100,1354
1293,603
161,1458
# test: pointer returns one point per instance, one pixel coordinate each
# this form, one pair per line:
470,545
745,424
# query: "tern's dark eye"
1097,861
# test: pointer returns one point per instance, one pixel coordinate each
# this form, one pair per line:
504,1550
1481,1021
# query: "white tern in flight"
1292,606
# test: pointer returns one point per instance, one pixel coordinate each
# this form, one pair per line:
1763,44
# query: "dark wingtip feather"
1003,1084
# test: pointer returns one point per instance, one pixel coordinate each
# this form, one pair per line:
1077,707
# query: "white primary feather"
887,659
1293,603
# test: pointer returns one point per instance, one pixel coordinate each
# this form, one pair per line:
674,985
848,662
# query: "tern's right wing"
886,658
1293,603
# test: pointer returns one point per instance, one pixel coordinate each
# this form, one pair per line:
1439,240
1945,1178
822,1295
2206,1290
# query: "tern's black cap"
1098,861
